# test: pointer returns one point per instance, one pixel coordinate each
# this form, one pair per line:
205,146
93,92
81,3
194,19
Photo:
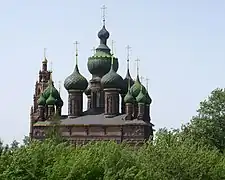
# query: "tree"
14,144
208,126
26,140
53,131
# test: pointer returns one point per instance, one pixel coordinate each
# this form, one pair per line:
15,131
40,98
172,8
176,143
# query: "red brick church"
117,108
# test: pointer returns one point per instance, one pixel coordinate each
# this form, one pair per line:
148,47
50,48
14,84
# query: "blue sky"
181,45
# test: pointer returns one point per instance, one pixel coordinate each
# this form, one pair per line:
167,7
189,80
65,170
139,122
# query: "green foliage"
53,132
193,153
208,126
169,157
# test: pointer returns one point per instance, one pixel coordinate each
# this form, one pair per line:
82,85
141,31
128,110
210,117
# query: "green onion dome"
75,81
112,80
59,102
136,88
100,63
41,100
148,99
129,98
55,92
141,98
51,100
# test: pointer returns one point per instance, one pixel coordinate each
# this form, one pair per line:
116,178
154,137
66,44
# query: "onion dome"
128,77
148,99
129,98
141,98
51,87
112,79
75,81
51,100
103,35
136,88
100,63
41,100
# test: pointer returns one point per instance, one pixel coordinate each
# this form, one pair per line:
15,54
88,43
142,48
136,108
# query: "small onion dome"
41,100
103,33
125,82
88,90
51,100
112,80
75,81
47,91
148,99
136,88
100,63
59,102
141,98
129,98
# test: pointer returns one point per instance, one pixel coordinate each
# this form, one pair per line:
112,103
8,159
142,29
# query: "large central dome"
100,63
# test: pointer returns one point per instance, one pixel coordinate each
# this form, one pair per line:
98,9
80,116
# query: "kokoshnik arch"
106,91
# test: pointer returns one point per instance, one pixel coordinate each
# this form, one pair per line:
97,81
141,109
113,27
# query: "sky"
180,44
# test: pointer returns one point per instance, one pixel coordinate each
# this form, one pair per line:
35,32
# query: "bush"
169,157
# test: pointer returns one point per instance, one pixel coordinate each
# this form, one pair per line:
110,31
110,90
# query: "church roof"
98,119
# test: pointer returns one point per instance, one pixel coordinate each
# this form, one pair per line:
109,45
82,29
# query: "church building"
117,108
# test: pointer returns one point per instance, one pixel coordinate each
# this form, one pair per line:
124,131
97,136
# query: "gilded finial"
103,14
112,52
137,60
76,48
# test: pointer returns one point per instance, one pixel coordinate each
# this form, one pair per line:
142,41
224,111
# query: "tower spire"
103,14
76,51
